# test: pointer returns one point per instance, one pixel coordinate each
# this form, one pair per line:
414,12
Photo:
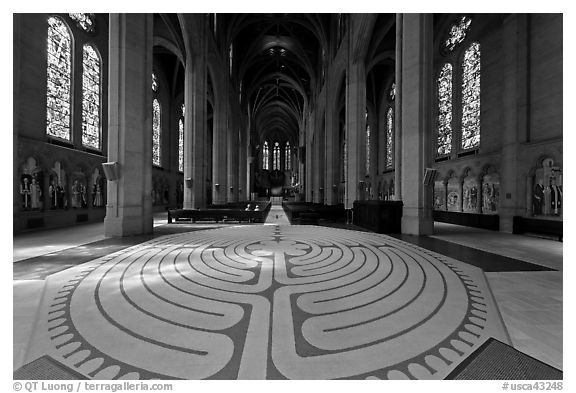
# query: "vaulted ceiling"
278,58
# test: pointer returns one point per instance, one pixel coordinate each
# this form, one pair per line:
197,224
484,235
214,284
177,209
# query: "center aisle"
277,216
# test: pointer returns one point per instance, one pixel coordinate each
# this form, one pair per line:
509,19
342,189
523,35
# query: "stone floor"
275,301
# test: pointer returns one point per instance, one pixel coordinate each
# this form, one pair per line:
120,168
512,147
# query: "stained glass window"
445,110
367,143
90,97
457,33
265,156
276,157
390,138
392,92
154,83
181,145
58,79
86,21
156,133
471,97
287,157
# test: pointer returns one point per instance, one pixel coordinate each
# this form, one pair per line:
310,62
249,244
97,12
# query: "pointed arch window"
58,86
389,138
445,110
154,83
91,87
265,156
471,97
276,157
392,92
156,133
457,33
288,157
87,22
181,140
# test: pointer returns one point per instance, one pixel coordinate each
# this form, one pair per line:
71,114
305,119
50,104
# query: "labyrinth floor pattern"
257,302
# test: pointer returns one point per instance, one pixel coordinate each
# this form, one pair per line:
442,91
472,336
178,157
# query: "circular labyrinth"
261,302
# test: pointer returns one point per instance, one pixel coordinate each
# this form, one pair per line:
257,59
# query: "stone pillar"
332,151
16,75
355,129
243,186
220,147
416,96
514,39
232,157
251,175
195,137
309,164
398,112
129,202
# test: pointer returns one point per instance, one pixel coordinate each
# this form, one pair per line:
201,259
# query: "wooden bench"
298,212
221,213
538,226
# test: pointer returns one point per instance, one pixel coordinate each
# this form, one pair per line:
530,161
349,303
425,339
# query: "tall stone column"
232,158
220,147
355,128
514,92
243,185
195,166
332,149
416,96
129,202
16,75
398,111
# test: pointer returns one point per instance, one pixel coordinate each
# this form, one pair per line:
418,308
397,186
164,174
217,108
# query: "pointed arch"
91,97
156,133
58,79
471,97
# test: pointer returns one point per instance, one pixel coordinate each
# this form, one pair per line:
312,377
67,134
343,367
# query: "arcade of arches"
451,118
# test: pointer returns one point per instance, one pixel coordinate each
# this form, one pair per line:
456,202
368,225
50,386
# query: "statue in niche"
547,191
97,200
25,191
75,192
453,200
473,198
465,198
470,189
490,196
78,195
555,197
53,193
439,195
538,198
453,195
35,194
61,201
83,199
97,189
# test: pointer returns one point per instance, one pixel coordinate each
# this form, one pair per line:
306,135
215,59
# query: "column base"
128,226
416,223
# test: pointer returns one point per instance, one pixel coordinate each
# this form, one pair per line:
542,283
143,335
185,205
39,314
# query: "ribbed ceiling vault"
277,60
